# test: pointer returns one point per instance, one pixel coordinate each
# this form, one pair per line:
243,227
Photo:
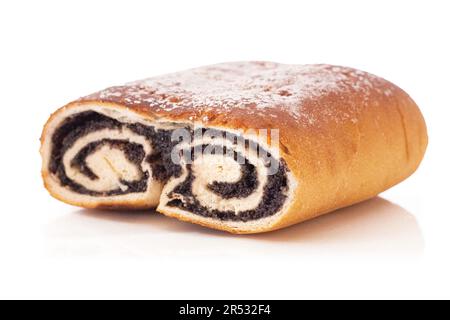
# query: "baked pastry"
188,143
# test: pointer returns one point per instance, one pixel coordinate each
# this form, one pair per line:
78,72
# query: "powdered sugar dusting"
255,86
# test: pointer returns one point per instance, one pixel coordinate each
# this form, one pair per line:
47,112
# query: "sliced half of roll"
244,147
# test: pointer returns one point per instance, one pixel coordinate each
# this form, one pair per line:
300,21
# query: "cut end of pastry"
104,156
235,182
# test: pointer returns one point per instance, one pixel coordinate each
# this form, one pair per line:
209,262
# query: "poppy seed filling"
162,167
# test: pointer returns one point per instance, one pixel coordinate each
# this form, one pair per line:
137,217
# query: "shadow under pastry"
374,227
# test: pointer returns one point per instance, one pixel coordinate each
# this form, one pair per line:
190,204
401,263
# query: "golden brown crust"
345,135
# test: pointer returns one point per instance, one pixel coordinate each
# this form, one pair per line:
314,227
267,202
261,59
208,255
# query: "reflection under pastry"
374,227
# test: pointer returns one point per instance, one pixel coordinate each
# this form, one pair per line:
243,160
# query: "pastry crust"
345,135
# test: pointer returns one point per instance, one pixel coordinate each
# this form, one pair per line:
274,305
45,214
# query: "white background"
51,52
